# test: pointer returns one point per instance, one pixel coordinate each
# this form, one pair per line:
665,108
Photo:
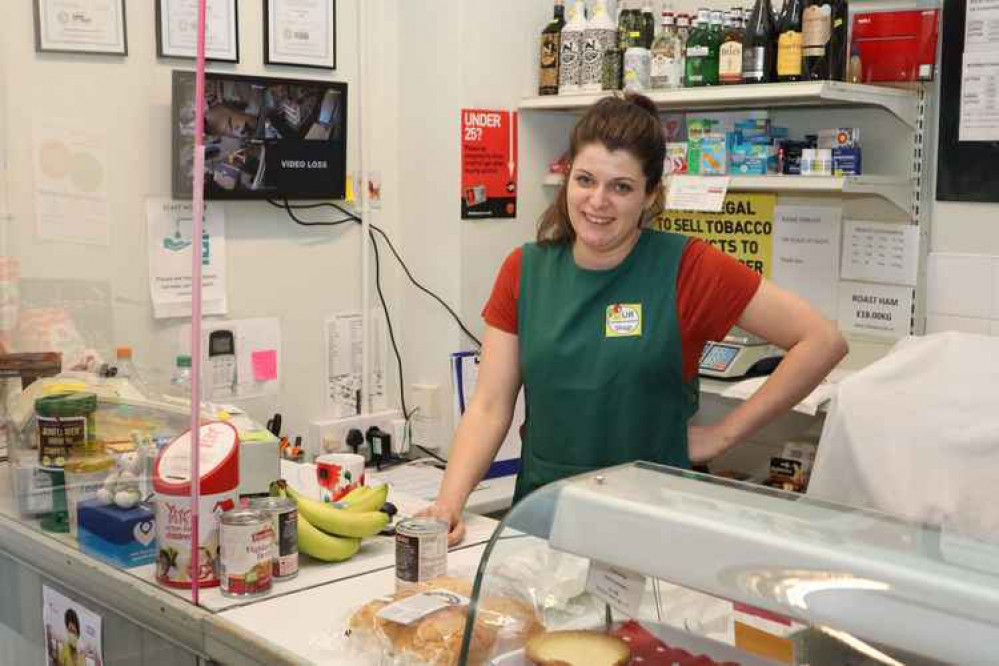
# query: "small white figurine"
122,485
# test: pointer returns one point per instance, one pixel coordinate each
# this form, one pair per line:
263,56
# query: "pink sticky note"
264,365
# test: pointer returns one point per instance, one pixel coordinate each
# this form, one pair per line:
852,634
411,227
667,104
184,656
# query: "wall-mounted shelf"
895,190
900,103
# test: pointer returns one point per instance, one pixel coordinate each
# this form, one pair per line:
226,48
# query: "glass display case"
689,568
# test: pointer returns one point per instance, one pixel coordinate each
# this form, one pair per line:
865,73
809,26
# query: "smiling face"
605,197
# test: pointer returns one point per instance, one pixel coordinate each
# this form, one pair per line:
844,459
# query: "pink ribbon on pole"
198,193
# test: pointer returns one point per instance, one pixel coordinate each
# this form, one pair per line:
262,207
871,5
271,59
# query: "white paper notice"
71,202
880,252
806,254
875,309
169,227
981,26
700,193
344,347
980,96
619,588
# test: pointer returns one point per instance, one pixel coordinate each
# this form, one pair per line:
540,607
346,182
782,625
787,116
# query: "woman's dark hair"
629,123
70,618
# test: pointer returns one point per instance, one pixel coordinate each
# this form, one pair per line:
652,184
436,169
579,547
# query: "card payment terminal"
738,355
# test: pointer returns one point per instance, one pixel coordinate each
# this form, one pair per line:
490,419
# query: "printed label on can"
283,515
246,557
58,436
420,550
173,538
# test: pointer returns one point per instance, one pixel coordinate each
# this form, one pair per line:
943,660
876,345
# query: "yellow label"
789,53
623,320
743,229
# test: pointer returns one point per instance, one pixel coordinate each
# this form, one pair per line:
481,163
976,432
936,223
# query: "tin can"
284,523
246,553
420,550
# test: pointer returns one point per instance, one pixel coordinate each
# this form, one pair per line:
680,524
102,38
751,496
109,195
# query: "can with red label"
284,522
246,553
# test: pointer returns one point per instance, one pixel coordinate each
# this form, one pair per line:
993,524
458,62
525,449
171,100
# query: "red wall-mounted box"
897,45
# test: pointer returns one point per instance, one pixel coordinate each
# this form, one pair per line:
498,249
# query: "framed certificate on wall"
177,29
70,26
300,32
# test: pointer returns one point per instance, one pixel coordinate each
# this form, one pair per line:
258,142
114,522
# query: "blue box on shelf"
846,161
123,537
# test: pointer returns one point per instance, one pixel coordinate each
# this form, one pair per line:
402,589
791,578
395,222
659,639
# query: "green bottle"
700,70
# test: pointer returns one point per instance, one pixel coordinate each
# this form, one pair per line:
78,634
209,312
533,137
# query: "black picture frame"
965,170
161,48
291,61
41,45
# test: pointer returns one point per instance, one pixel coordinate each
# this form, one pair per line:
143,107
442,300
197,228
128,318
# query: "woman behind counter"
603,322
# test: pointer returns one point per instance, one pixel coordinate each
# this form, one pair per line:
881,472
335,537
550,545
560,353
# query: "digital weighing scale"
738,355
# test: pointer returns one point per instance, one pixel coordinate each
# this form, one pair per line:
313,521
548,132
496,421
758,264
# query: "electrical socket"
330,435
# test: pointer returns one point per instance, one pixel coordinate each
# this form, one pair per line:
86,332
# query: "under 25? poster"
488,164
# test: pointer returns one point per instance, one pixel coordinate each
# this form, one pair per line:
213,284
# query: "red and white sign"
488,164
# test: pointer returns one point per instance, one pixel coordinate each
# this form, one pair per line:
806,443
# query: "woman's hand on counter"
453,518
705,443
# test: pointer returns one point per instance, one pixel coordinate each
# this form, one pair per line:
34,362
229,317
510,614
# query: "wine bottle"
759,45
789,42
817,21
551,41
838,45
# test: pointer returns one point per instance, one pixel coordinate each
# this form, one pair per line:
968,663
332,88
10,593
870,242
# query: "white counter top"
310,623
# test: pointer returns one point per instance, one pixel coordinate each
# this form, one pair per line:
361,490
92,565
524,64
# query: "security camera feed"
264,138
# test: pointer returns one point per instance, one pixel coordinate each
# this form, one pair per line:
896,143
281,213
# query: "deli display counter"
687,568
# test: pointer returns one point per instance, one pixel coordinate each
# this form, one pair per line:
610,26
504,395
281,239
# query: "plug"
379,443
354,439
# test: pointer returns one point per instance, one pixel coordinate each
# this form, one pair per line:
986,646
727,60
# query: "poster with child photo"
72,631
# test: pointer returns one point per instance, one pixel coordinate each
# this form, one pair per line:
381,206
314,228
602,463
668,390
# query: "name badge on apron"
623,320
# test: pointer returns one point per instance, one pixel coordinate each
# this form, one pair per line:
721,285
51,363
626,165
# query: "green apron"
601,361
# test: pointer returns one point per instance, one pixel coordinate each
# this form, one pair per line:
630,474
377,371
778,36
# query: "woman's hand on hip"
705,443
456,525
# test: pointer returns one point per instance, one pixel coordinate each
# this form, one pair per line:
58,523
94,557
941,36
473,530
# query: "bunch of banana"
333,532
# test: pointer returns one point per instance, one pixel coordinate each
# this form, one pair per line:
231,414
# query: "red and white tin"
246,553
219,469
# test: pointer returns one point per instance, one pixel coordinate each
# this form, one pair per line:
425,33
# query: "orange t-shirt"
712,290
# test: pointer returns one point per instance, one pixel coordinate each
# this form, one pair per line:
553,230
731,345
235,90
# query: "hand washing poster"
488,164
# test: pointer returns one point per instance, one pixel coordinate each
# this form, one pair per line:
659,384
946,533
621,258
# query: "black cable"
425,290
290,210
388,325
431,453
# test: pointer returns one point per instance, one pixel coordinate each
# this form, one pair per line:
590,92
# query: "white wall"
275,267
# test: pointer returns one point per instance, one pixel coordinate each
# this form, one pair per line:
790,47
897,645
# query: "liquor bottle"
648,25
667,56
838,44
789,42
697,51
730,52
637,74
600,37
759,46
570,61
715,35
551,39
683,27
817,23
855,70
